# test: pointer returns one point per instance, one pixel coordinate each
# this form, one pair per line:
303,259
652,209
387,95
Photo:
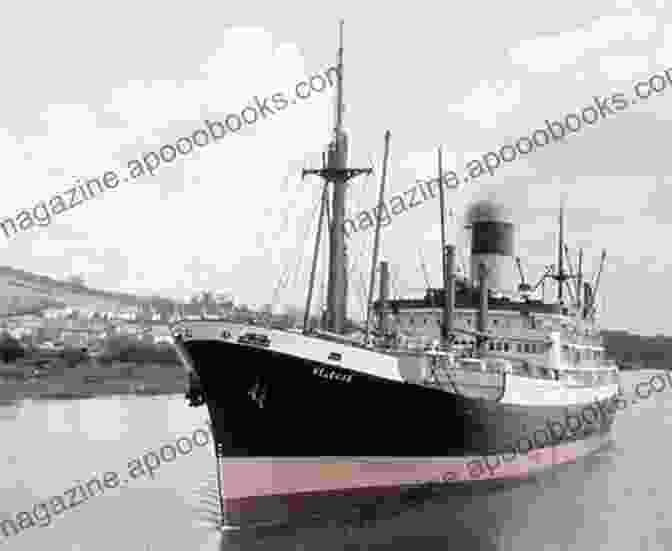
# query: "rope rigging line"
360,259
284,277
394,278
362,283
302,257
324,276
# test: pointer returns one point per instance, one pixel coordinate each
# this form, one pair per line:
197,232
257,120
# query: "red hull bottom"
258,491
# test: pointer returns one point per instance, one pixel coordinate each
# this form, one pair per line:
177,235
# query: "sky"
88,87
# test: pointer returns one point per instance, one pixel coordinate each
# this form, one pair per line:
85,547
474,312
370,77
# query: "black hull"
267,404
292,433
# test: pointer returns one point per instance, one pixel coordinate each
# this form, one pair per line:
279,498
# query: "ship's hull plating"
291,431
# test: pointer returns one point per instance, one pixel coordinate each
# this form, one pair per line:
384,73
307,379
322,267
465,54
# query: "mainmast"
337,173
561,276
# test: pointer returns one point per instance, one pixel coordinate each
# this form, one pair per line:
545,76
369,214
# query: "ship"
450,389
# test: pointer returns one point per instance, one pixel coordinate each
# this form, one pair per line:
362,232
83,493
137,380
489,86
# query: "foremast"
337,173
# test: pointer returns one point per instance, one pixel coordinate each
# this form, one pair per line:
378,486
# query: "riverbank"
91,380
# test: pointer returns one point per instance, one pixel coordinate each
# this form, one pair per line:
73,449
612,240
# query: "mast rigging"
338,174
376,241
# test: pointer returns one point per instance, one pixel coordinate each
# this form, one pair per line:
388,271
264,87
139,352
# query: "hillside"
22,291
26,292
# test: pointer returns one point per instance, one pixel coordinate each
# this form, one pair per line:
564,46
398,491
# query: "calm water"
616,499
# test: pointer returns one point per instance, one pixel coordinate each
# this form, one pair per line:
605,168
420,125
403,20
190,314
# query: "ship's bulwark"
293,432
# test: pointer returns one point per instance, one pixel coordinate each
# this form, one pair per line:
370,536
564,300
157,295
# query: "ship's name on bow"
331,374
